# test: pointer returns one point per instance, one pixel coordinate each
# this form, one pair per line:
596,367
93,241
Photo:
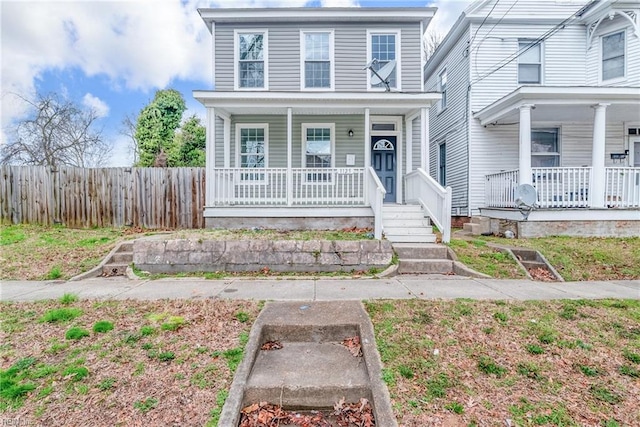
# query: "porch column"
525,144
289,154
210,155
409,138
227,141
367,151
424,139
597,185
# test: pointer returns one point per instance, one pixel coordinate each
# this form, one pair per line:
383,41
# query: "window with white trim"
318,150
384,48
545,148
251,52
529,62
613,53
252,148
442,84
317,54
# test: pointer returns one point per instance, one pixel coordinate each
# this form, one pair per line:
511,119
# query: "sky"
112,56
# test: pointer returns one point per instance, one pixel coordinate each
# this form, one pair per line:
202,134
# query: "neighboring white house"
545,93
302,133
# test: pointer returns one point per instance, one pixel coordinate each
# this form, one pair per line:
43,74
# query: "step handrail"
434,198
376,194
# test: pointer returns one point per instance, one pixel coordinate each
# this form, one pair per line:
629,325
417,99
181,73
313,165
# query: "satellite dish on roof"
381,75
526,198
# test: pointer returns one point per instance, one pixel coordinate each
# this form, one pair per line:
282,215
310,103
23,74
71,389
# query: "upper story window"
384,47
613,56
317,58
529,62
442,83
545,148
251,60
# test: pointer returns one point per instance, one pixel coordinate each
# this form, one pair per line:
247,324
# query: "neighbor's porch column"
367,152
525,144
424,139
210,155
289,158
597,187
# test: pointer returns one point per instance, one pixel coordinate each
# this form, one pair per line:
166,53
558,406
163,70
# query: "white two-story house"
545,93
318,118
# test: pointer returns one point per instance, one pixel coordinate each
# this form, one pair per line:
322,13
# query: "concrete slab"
633,284
274,290
179,289
527,289
11,289
597,290
451,289
362,289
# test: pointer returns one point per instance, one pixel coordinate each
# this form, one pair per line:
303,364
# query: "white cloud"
339,3
447,14
96,104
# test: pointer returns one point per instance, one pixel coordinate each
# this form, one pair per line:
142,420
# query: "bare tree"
56,132
128,129
431,41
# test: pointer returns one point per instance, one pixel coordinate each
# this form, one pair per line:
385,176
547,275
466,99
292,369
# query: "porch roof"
564,103
316,103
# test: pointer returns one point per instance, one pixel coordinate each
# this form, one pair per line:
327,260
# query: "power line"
483,21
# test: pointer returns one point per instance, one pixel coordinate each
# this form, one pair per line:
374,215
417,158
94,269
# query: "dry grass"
466,363
164,363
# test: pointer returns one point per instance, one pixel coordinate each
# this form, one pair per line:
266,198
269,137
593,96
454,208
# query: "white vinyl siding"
529,62
317,65
383,47
251,64
613,56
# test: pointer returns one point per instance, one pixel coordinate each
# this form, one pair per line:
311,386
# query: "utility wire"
482,23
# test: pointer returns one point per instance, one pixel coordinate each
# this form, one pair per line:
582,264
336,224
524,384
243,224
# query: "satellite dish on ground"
381,75
526,198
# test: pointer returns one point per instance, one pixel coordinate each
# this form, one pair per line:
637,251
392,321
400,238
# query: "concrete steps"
117,264
424,258
406,224
478,225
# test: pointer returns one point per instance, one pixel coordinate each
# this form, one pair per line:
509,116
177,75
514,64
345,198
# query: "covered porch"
373,140
588,166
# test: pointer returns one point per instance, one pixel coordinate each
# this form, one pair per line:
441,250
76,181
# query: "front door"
383,159
636,154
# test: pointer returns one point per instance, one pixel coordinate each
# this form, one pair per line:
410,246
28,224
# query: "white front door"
636,154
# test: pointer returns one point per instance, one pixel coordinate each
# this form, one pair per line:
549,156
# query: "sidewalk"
319,289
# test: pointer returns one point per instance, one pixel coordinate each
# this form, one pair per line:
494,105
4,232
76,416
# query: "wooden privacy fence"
103,197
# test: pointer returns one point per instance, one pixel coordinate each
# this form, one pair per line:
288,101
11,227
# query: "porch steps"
423,258
478,225
406,224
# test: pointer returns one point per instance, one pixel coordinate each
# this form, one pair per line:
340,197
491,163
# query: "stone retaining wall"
173,256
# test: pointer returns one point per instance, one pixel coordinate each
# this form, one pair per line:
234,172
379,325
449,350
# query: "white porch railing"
375,194
622,188
435,199
270,187
562,187
566,188
500,189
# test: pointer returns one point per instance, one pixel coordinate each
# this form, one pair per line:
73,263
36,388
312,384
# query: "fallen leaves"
542,274
271,345
263,414
353,345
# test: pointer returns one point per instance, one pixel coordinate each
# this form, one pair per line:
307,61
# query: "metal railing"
435,199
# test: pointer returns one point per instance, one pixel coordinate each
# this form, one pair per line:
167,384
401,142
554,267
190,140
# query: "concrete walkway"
319,289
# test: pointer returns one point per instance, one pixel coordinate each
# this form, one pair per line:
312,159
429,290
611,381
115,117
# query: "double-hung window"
317,59
252,147
545,148
529,62
251,60
442,83
384,47
318,150
613,56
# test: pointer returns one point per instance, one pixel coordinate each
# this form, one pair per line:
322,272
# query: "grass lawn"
120,363
469,363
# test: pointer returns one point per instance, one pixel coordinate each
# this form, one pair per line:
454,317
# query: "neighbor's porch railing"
434,198
288,187
566,187
375,194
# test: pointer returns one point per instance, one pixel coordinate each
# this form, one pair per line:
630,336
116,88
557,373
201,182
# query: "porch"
567,188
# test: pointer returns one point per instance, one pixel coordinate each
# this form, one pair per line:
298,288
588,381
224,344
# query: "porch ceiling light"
350,133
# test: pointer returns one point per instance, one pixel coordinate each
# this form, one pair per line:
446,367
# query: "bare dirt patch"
164,363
